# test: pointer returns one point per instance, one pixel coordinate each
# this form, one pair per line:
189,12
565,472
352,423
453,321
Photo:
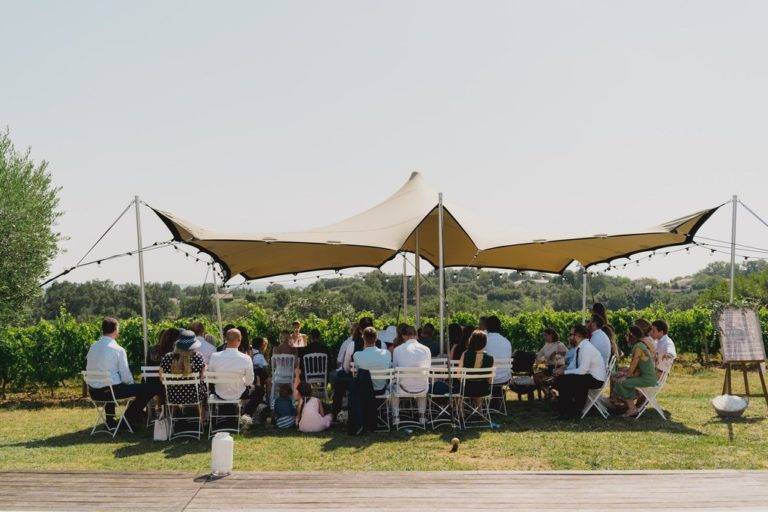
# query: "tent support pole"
405,289
583,294
218,304
417,281
441,277
733,251
137,208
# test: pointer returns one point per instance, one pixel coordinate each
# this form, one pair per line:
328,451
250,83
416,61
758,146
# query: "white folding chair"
651,393
382,409
151,372
215,402
439,362
475,411
174,408
505,364
594,395
316,372
283,366
411,385
100,379
440,405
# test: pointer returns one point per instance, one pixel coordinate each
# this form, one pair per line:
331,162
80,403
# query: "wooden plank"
387,491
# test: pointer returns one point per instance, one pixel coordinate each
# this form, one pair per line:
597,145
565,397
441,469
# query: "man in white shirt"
411,354
498,347
665,347
587,371
341,378
206,349
106,355
598,338
232,360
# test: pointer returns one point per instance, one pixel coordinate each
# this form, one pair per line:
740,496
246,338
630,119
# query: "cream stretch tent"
408,217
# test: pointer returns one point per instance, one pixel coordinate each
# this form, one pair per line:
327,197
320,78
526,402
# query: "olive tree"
28,237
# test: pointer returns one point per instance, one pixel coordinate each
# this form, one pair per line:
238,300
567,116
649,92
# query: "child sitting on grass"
312,418
284,412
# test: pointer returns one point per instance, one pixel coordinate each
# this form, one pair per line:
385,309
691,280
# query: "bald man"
232,360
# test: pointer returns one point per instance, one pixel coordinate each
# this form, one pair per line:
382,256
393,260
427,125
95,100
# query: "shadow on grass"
728,423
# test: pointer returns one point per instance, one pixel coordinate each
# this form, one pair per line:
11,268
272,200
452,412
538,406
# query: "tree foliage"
28,239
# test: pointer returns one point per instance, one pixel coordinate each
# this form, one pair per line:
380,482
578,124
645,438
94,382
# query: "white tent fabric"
377,235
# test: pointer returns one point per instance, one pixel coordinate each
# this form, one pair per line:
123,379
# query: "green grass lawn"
50,434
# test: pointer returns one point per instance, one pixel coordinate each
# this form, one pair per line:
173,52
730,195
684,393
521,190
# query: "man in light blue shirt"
598,338
107,356
372,358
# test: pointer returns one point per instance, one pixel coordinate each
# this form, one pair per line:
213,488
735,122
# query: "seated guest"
645,328
232,360
399,338
552,350
476,357
411,354
315,345
245,343
357,341
387,338
260,345
342,377
615,350
284,411
206,348
598,338
665,347
459,348
311,417
599,309
165,344
107,356
641,372
427,339
185,360
498,347
587,371
454,338
372,358
285,347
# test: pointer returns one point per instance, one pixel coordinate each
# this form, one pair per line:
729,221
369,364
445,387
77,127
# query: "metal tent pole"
584,294
441,276
405,289
417,281
733,251
218,305
136,205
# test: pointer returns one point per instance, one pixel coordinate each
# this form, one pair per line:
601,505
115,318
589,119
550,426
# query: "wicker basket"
730,414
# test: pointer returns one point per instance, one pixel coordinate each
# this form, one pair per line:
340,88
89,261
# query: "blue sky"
271,116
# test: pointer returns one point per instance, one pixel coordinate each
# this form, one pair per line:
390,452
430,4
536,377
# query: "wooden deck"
387,491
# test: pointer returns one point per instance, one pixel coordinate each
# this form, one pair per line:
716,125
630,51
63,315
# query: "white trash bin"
222,454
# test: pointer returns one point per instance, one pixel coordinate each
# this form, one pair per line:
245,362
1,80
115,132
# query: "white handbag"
162,428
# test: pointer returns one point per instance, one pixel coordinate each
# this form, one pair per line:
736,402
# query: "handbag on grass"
162,428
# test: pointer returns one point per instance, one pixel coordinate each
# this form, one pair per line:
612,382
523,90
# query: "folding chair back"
316,372
594,395
215,402
100,379
475,399
283,366
149,372
651,393
501,364
382,410
440,405
411,382
439,361
174,406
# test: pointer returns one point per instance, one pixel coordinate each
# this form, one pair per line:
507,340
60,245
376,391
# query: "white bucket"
222,454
